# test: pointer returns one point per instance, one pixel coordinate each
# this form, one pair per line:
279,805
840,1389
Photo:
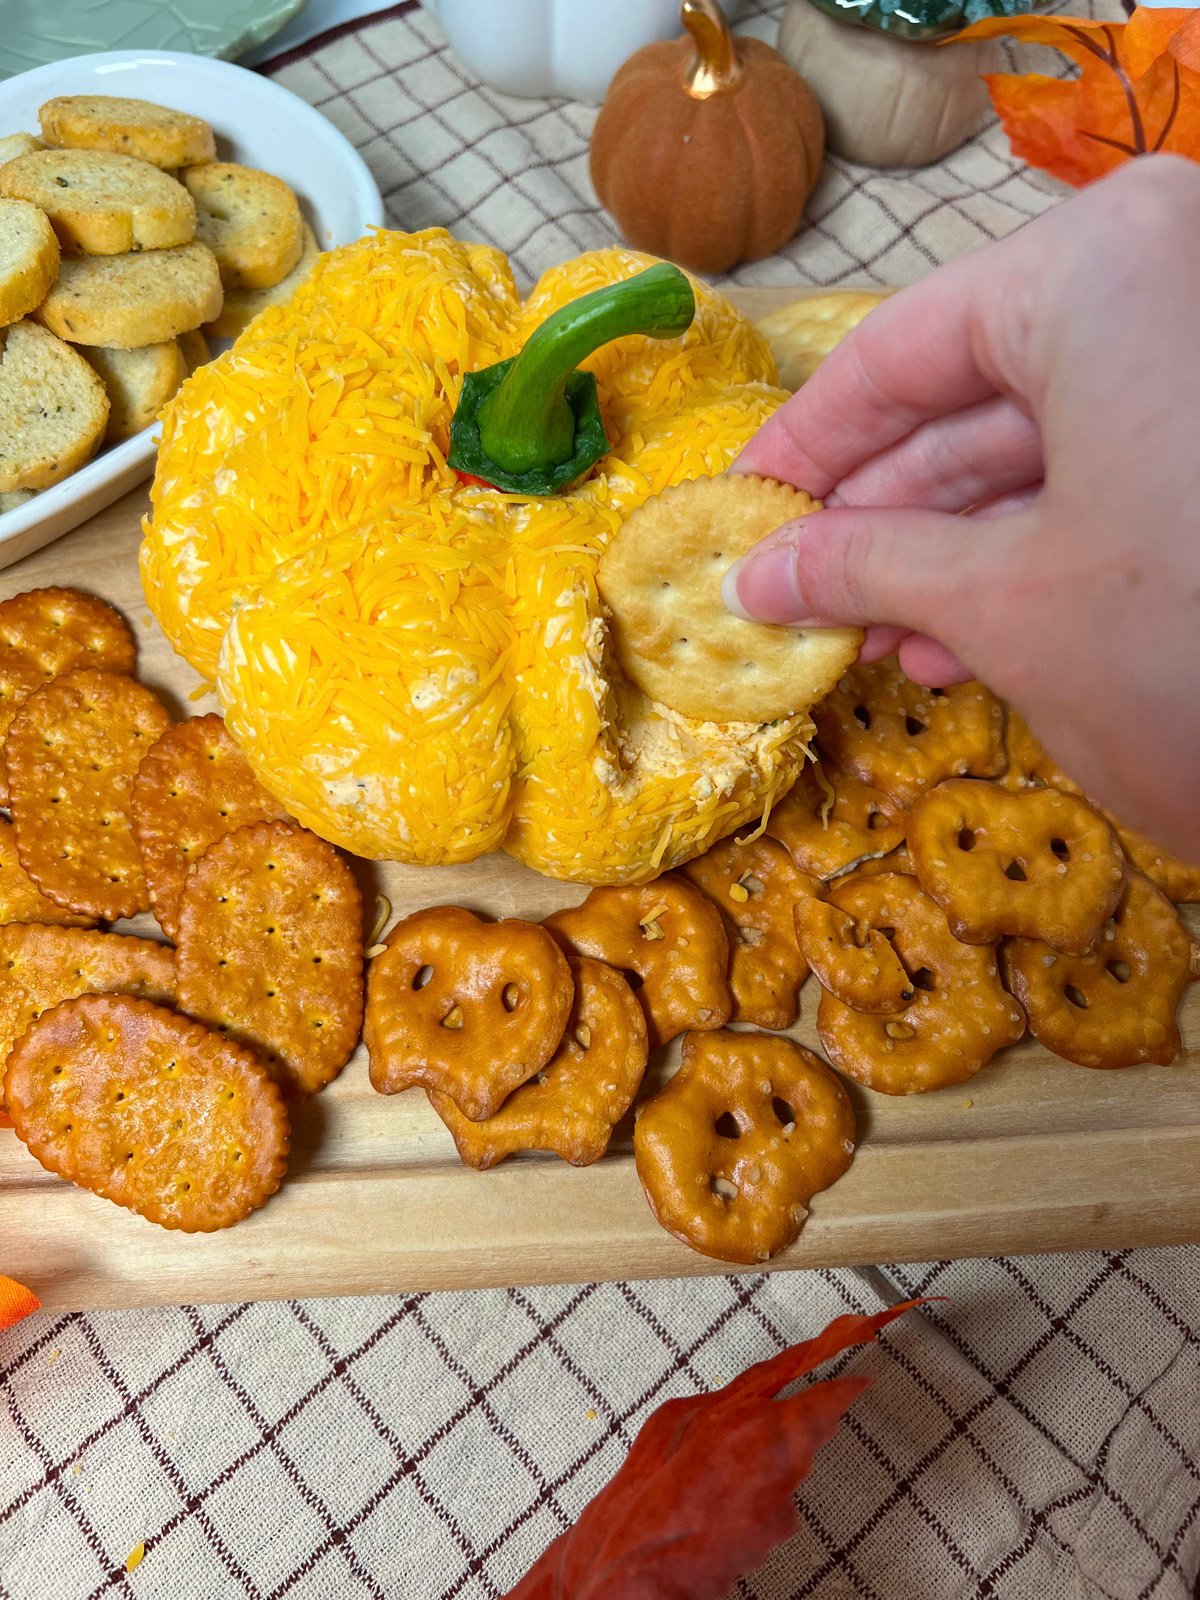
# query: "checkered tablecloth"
1035,1437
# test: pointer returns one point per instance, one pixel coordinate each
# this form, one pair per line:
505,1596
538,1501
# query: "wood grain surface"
1034,1154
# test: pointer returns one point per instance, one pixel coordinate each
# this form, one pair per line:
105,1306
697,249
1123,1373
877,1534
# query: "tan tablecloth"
1036,1438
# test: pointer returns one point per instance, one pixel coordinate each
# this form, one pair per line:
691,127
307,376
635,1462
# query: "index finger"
921,354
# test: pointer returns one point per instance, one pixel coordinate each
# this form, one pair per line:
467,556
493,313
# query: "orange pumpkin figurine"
707,149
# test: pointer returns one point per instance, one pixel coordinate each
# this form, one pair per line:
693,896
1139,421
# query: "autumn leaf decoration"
706,1491
16,1302
1138,90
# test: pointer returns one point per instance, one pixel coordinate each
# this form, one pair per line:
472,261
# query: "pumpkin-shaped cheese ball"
415,662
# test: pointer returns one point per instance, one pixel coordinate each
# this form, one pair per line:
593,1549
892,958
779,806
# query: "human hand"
1045,387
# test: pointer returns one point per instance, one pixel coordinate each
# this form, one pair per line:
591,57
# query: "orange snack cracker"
851,959
671,937
830,820
193,787
1116,1005
466,1008
45,632
756,885
270,950
734,1147
40,966
149,1110
72,752
573,1104
20,898
959,1016
1037,864
902,738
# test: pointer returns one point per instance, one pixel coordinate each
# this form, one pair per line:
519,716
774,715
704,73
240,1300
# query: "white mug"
552,47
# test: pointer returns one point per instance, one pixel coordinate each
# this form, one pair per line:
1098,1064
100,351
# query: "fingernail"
761,587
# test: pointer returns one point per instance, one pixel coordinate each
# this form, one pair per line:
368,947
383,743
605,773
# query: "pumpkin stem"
532,424
716,67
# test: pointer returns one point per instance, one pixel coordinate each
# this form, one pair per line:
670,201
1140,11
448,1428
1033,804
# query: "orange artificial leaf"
706,1490
1138,90
16,1301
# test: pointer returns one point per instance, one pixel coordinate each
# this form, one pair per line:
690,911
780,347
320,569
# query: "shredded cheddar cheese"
420,669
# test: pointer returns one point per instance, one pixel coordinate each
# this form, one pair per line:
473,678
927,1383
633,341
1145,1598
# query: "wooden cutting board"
1034,1154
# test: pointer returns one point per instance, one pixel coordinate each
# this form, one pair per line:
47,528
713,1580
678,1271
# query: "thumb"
853,566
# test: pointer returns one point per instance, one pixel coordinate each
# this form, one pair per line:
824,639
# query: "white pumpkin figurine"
891,96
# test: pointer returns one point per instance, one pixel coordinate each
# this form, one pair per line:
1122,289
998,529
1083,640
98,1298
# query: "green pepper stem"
526,422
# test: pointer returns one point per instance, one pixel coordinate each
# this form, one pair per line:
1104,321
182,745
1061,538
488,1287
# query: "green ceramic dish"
918,19
224,28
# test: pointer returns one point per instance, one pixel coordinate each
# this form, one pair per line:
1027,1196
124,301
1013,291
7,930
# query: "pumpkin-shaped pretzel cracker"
756,885
670,936
1116,1005
902,738
958,1017
830,821
1038,864
852,960
573,1104
467,1008
733,1148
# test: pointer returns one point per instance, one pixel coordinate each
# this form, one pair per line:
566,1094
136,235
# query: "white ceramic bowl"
257,123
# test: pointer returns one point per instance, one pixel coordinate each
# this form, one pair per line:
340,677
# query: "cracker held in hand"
192,788
674,638
902,738
756,886
1115,1006
958,1017
138,128
72,753
270,950
46,632
1037,864
149,1110
670,936
573,1104
466,1008
42,966
100,204
731,1151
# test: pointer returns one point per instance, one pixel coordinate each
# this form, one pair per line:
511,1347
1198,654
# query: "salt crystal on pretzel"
270,950
733,1148
469,1009
755,885
192,787
72,753
670,936
830,821
1115,1006
1038,864
959,1016
573,1104
149,1110
46,632
902,738
1027,764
